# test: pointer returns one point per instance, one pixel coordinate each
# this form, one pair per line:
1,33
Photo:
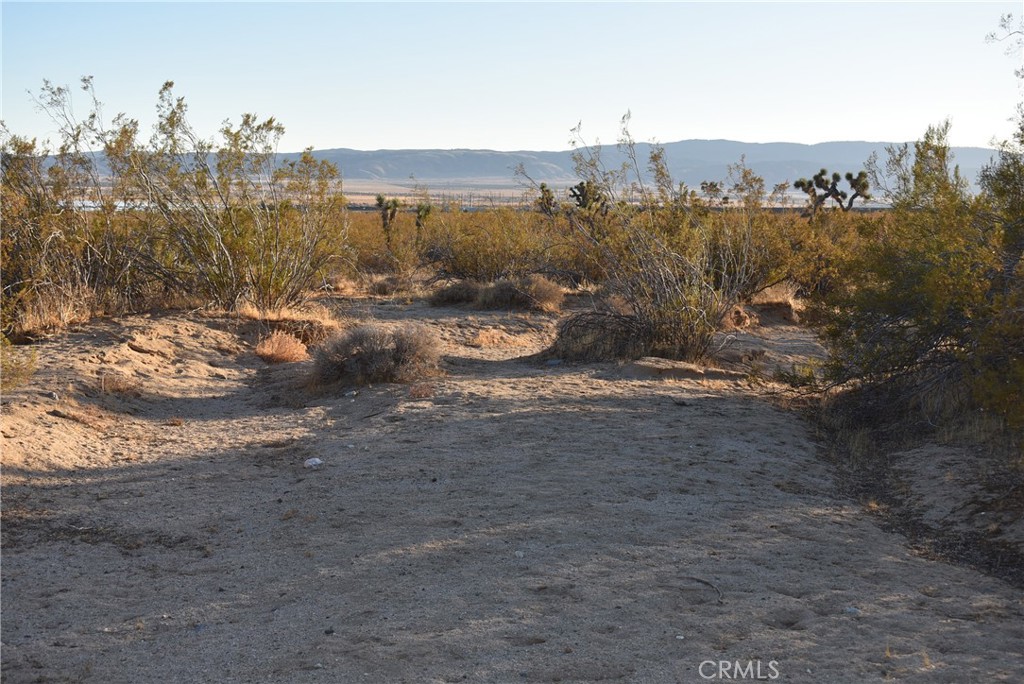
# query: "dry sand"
510,521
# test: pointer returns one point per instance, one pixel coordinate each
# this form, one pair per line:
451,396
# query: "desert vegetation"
924,295
304,315
370,354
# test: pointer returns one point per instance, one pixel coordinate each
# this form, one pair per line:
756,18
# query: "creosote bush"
281,347
488,246
371,354
109,223
928,313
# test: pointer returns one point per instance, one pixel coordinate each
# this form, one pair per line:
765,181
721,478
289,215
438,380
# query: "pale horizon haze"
519,76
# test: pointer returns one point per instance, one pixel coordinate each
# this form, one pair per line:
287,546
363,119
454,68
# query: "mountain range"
689,161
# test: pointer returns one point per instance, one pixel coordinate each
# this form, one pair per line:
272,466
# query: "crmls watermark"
737,669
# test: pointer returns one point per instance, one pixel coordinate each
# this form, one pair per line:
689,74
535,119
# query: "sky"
520,76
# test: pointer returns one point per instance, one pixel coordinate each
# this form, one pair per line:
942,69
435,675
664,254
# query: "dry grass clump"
281,347
311,324
534,292
373,354
599,336
460,292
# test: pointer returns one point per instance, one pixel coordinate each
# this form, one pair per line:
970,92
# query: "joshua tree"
546,202
829,187
388,211
589,197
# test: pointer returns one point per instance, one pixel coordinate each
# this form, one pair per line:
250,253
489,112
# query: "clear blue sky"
519,76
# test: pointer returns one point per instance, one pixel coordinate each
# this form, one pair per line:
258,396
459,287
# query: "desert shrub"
533,292
819,249
459,292
373,354
243,225
62,263
417,352
388,285
932,306
599,336
281,347
677,271
174,216
487,246
368,250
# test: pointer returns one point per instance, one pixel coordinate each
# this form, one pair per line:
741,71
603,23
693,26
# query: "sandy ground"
510,521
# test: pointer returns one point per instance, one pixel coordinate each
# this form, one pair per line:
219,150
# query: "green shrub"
176,216
933,306
487,246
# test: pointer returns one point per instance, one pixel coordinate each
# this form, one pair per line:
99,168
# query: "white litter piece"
313,463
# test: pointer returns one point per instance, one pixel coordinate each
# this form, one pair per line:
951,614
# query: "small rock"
313,463
520,554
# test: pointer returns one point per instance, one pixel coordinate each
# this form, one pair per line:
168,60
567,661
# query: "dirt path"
522,523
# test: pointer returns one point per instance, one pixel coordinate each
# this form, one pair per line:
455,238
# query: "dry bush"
45,311
460,292
343,284
281,347
503,294
372,354
547,296
311,324
533,292
598,336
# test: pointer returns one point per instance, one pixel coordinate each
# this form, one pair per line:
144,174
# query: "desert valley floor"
511,520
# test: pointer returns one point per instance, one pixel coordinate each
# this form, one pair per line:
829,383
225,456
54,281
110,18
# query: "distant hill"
690,161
